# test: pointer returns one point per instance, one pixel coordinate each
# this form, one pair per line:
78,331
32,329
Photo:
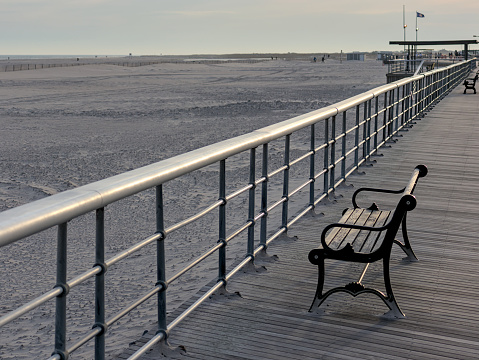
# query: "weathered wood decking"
438,294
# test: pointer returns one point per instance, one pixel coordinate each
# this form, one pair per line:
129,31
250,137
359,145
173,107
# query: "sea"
31,57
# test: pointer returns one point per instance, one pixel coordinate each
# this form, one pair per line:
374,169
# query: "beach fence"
21,67
127,63
339,139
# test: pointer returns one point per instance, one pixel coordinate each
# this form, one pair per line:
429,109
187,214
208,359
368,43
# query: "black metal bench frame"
471,83
384,235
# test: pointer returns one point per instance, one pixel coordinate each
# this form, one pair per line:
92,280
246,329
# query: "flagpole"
404,23
416,25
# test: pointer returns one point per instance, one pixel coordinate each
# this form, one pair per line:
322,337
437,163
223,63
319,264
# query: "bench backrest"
406,203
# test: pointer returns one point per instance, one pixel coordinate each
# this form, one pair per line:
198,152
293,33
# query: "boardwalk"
438,294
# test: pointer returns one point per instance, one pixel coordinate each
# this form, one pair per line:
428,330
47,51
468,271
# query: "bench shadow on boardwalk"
265,313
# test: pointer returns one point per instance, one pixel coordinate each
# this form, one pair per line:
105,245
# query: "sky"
182,27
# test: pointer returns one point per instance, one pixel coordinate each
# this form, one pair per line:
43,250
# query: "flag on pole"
418,14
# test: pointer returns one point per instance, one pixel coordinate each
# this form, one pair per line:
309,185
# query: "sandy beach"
69,126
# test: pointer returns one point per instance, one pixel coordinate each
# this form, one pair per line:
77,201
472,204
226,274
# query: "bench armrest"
419,171
348,226
355,205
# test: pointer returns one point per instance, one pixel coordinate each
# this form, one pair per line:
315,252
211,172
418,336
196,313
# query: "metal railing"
420,65
341,138
403,65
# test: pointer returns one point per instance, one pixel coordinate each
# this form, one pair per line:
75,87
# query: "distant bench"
366,236
471,83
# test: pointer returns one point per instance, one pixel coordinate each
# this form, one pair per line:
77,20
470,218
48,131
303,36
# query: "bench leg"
356,288
389,299
406,247
318,297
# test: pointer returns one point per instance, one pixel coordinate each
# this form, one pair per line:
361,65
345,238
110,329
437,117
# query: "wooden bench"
366,236
470,84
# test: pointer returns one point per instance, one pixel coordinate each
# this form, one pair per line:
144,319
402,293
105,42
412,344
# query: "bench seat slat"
361,240
373,240
337,235
335,231
354,237
348,216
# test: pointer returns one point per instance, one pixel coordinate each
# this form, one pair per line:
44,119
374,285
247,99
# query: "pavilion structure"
411,63
412,45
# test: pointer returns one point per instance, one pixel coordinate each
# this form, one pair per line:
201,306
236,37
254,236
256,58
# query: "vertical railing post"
413,101
332,175
356,139
417,98
422,96
391,114
161,261
312,159
100,285
326,157
343,149
441,84
286,182
368,132
426,95
430,91
365,124
376,125
398,97
433,90
406,95
222,223
264,198
448,79
61,300
385,115
251,208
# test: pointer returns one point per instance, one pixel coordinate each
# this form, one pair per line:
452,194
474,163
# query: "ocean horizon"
32,57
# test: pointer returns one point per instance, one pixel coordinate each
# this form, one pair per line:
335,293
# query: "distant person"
314,59
322,59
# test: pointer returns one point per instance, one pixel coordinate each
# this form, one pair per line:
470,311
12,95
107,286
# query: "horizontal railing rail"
340,138
415,66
